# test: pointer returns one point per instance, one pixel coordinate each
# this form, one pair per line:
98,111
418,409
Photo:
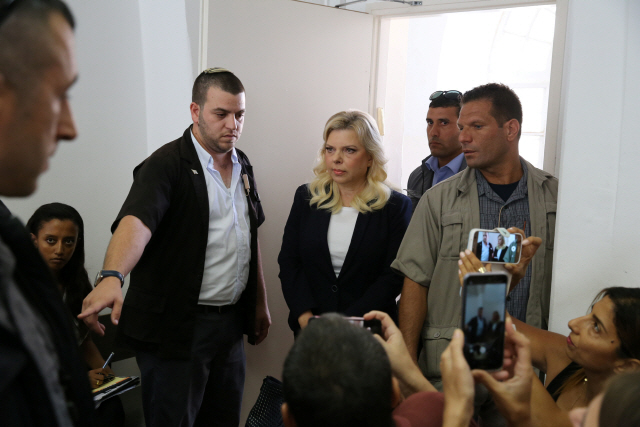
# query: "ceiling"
365,5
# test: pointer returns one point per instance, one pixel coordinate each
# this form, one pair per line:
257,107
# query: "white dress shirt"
485,252
226,265
341,226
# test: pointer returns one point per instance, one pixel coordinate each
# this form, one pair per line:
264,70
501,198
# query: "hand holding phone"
457,382
529,247
483,316
512,391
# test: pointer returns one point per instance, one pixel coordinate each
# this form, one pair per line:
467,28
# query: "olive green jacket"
439,231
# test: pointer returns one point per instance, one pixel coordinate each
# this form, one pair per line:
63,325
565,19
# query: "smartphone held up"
497,247
483,316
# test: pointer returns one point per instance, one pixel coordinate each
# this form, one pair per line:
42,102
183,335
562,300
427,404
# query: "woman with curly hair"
344,228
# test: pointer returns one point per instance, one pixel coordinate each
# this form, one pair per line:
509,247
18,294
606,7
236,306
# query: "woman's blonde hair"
324,191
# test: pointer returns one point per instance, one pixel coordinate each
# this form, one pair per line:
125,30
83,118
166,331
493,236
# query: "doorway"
461,50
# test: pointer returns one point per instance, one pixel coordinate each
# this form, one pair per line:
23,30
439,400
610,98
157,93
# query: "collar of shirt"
453,165
206,160
521,191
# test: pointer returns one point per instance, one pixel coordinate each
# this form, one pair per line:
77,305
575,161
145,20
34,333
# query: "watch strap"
109,273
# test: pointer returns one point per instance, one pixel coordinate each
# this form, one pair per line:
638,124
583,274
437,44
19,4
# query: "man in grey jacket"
446,158
499,189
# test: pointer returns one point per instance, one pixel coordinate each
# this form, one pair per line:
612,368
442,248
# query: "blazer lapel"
323,219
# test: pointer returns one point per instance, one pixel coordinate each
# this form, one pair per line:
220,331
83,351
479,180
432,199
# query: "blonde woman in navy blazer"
323,266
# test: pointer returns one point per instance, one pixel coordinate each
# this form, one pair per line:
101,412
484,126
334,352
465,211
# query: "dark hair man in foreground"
42,381
339,375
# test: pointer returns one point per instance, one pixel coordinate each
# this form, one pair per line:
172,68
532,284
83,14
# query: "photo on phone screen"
491,246
483,311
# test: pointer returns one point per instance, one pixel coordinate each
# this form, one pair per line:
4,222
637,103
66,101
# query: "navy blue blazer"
366,281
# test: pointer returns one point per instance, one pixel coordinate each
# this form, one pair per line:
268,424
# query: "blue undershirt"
447,171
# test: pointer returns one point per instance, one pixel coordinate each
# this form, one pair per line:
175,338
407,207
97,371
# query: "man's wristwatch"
107,273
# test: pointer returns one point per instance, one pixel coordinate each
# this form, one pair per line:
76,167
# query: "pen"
108,360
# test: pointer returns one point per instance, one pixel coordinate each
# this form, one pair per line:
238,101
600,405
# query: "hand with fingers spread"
469,263
402,365
512,395
529,247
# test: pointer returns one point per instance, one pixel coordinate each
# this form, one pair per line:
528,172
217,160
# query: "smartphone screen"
373,325
493,247
483,310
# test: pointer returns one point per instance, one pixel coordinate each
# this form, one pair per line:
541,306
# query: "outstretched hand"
108,293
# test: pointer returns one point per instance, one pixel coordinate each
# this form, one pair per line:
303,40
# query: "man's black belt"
204,309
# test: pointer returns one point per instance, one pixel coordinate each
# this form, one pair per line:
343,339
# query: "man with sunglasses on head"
498,189
446,158
42,380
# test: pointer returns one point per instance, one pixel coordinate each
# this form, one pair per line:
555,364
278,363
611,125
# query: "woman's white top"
341,228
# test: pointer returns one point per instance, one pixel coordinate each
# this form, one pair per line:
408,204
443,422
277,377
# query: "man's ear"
627,365
396,395
287,417
194,108
511,127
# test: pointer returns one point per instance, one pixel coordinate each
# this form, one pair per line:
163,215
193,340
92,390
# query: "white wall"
596,229
300,63
168,69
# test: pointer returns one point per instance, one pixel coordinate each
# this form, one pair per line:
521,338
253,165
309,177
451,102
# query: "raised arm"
403,367
548,349
125,249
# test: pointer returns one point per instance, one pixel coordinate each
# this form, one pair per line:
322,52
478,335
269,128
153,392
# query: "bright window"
460,51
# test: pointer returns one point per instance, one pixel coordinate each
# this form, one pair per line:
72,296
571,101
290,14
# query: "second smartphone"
483,314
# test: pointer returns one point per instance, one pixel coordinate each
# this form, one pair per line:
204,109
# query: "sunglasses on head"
449,94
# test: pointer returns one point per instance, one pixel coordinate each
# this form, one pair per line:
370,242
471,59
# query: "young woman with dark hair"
57,231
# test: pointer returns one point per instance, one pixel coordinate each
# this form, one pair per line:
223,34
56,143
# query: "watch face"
98,277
